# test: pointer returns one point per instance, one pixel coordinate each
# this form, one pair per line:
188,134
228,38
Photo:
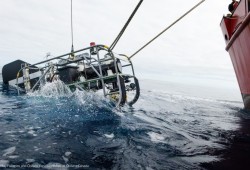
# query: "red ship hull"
236,31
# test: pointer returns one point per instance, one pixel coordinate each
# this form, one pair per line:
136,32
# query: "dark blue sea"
172,126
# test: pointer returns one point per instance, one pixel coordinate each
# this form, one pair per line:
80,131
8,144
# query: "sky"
192,51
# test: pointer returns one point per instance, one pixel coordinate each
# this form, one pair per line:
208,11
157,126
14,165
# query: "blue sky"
194,48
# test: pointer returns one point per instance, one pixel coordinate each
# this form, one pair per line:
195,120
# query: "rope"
125,26
72,35
167,28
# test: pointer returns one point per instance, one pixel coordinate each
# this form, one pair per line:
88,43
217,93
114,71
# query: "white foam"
156,137
36,148
32,132
201,159
66,160
110,136
30,160
9,151
149,168
67,153
9,132
13,156
4,163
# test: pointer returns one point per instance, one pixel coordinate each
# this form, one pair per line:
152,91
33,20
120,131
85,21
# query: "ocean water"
172,126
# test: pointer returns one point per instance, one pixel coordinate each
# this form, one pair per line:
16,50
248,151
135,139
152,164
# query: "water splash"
53,89
61,96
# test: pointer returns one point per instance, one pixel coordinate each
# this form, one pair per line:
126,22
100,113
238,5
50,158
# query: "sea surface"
172,126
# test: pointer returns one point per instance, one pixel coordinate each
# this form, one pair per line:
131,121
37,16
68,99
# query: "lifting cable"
72,36
125,26
167,28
